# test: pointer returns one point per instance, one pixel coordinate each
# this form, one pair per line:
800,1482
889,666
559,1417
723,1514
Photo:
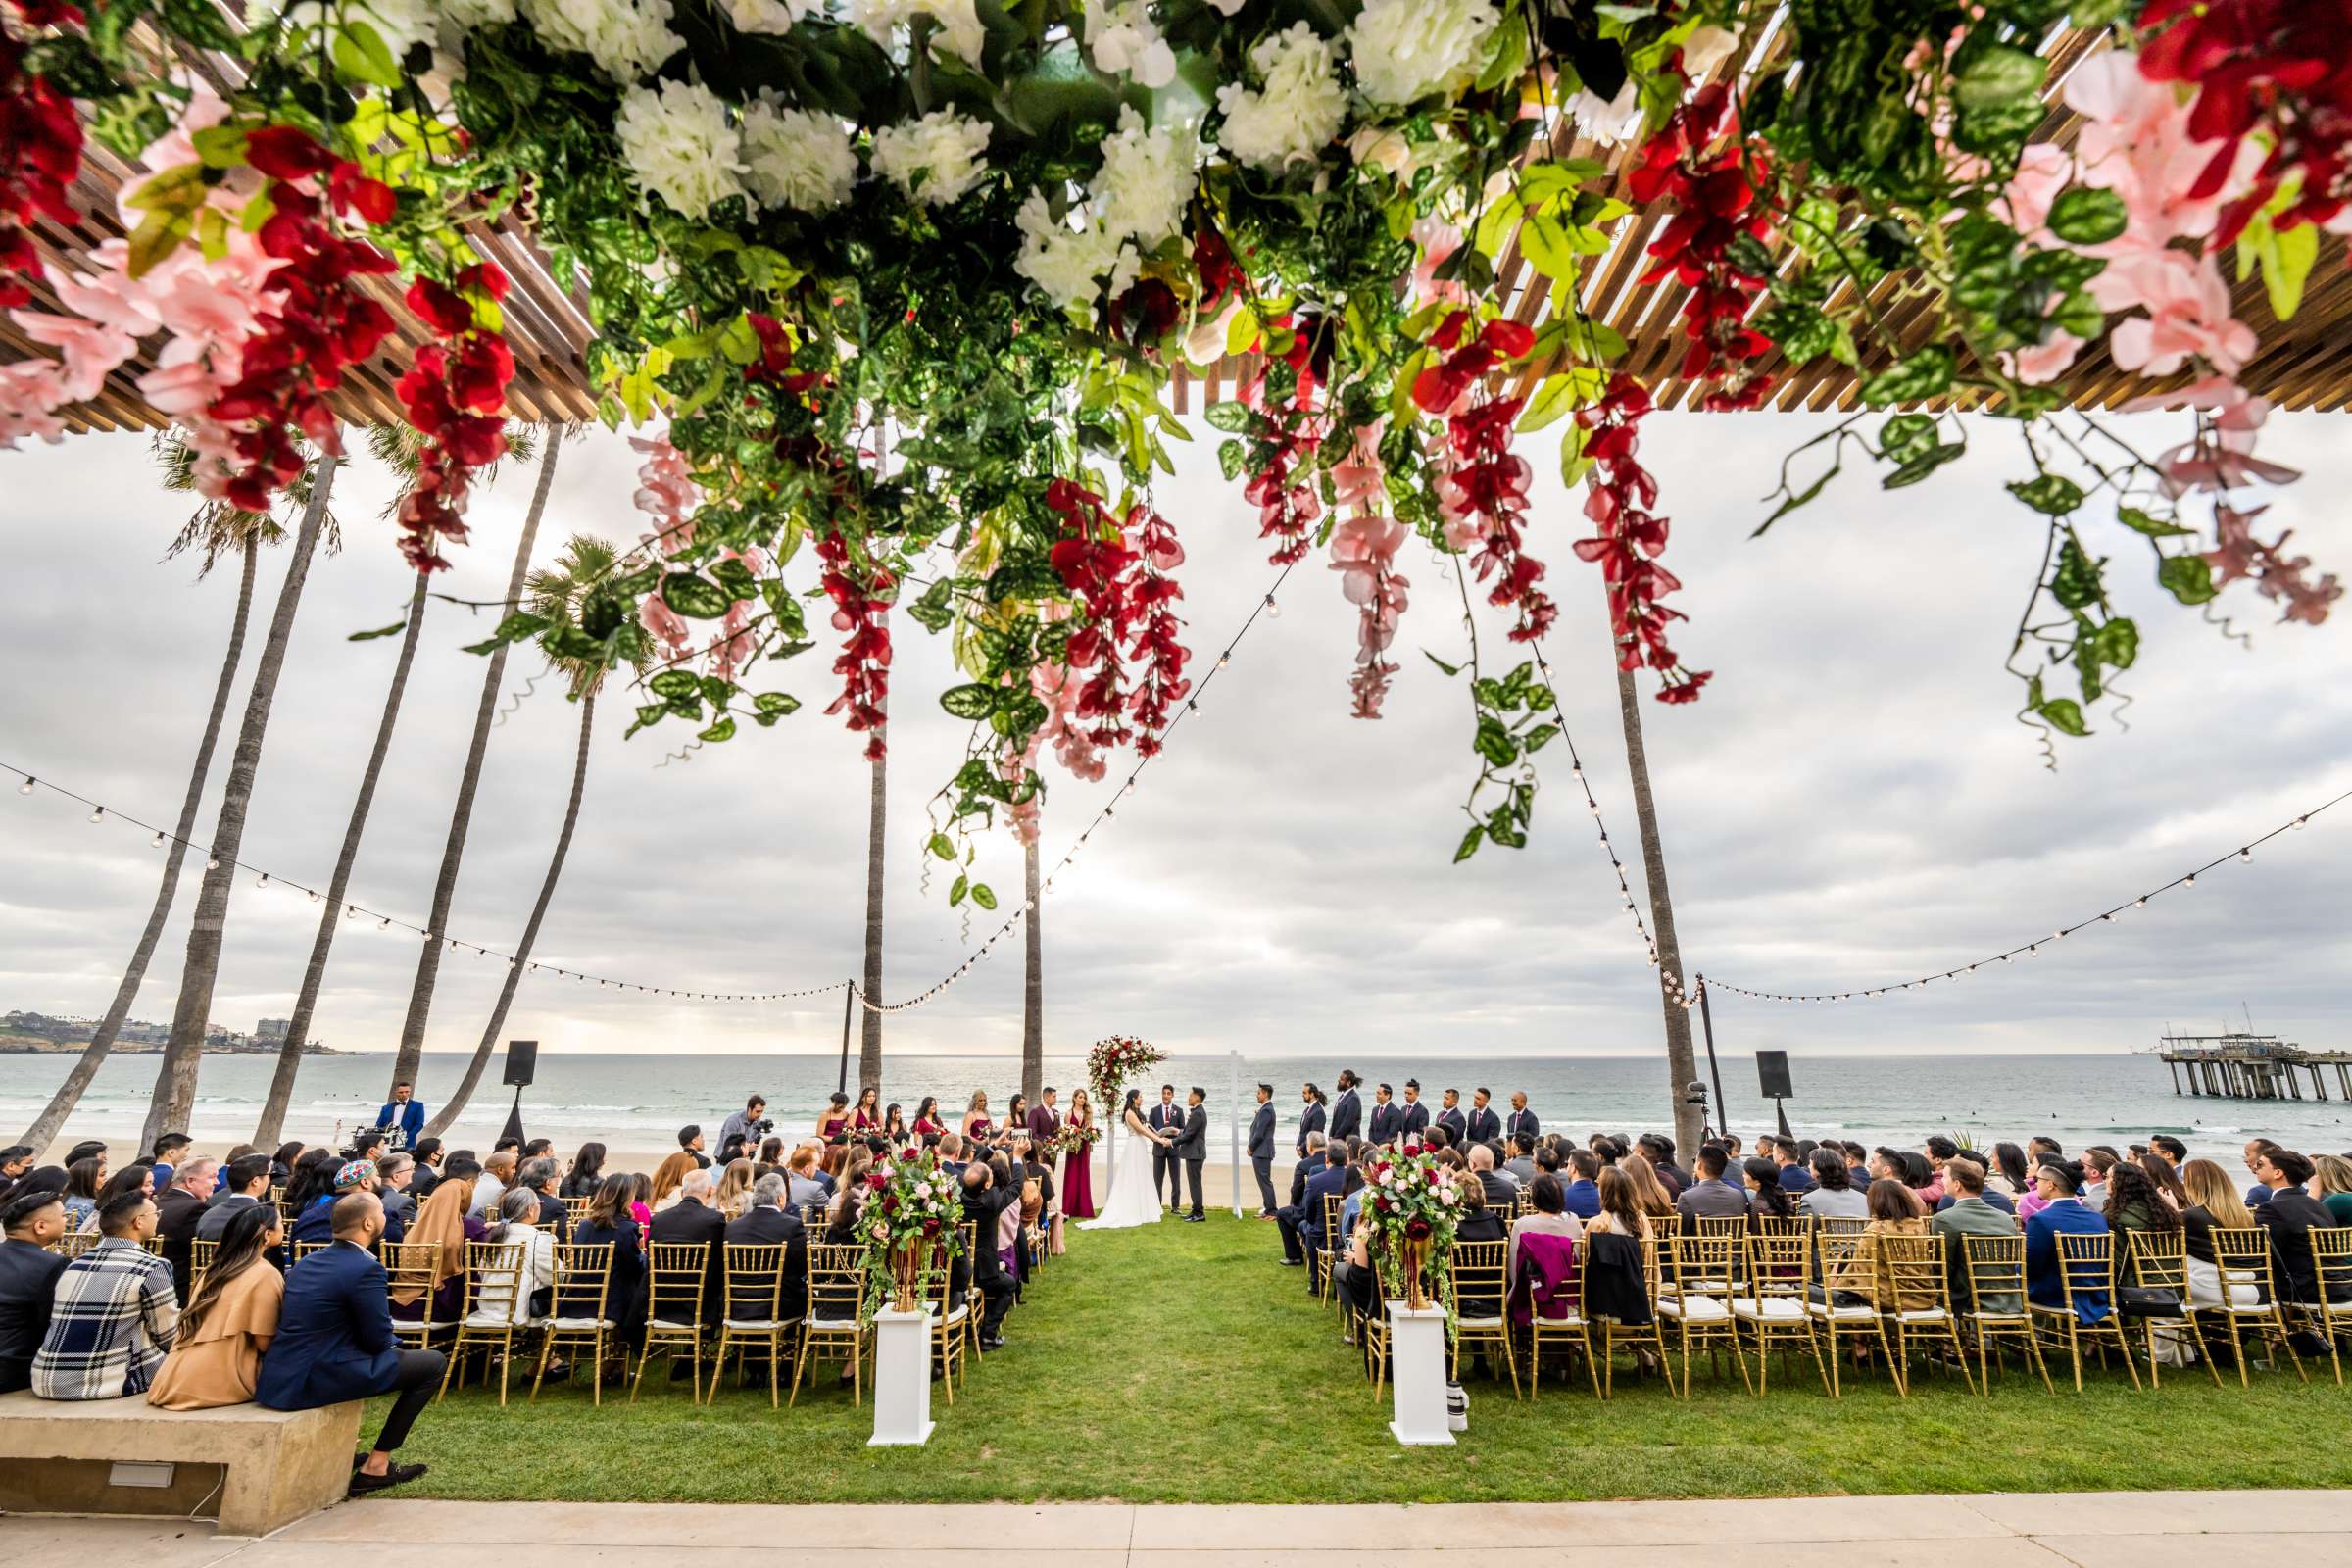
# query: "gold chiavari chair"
1915,1296
2331,1314
1772,1313
200,1264
1479,1283
413,1266
1571,1331
1847,1260
949,1344
302,1249
1995,1269
1706,1264
153,1245
498,1306
969,1232
74,1244
2086,1277
836,1320
1778,1225
754,1314
675,1272
583,1281
2159,1263
1840,1225
1326,1254
2249,1309
1609,1335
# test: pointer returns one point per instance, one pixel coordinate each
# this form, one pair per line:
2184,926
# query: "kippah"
353,1173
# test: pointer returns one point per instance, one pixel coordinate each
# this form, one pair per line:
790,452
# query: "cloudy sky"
1853,803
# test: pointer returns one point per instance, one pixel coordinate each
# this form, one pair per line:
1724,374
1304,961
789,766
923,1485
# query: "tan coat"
217,1365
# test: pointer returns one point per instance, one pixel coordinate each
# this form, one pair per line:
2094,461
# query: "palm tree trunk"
411,1053
306,1003
174,1097
870,1043
1682,1068
448,1113
1033,986
102,1039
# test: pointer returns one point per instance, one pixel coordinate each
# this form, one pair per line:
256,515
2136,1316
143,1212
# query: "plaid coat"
109,1325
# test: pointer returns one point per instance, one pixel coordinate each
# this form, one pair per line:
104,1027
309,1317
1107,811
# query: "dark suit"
1166,1119
1261,1154
984,1209
1413,1118
2044,1286
1310,1120
1501,1193
1346,1115
2290,1216
556,1219
1387,1116
27,1286
1044,1123
773,1227
1522,1123
692,1223
177,1213
1302,1224
1484,1126
1192,1147
215,1222
1455,1125
334,1343
1308,1166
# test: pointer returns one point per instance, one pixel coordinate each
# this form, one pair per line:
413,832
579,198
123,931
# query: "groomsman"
1262,1150
1311,1120
1347,1111
1384,1114
1456,1126
1483,1125
1413,1120
1521,1122
1168,1117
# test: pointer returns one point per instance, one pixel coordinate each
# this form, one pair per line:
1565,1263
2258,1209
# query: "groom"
1192,1147
1166,1119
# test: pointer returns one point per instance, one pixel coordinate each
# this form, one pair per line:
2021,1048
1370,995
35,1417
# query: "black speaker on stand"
522,1059
1771,1080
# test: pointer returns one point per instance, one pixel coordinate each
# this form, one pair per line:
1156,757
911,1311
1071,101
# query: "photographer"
752,1123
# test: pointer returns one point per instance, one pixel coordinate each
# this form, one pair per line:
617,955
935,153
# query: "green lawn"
1181,1365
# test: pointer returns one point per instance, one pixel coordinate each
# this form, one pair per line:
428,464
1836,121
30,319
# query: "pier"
2250,1066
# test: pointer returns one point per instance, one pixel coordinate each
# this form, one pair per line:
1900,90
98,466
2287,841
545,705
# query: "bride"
1134,1198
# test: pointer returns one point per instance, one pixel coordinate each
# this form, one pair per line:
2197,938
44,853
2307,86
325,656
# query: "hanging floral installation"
892,295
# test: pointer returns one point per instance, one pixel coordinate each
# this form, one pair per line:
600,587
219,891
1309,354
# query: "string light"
97,813
157,842
25,788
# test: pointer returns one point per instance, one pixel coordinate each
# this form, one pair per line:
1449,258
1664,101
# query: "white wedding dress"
1134,1200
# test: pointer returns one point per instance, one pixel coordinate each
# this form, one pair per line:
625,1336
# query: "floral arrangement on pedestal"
1110,1063
1416,1204
901,285
913,1207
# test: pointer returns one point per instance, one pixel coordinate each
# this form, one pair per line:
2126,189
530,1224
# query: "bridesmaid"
1016,1119
976,1119
833,1130
926,1118
893,1125
1077,1169
867,1120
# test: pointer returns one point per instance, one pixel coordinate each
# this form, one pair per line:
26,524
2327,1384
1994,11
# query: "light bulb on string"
97,813
314,896
1273,610
2189,881
261,881
157,842
212,864
2246,854
1223,659
2139,903
25,788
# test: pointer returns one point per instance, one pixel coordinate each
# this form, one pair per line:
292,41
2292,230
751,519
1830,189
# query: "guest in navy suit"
334,1343
1347,1111
2059,1182
1302,1223
1313,1118
1483,1125
1413,1120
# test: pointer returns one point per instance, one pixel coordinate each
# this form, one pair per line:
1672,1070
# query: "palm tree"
869,1041
1033,985
174,1094
445,886
215,529
558,596
398,448
1682,1066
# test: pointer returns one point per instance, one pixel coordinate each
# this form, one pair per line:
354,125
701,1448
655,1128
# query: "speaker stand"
513,1127
1780,1108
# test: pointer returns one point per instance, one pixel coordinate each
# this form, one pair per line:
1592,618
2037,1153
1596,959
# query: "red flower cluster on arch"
1618,497
456,396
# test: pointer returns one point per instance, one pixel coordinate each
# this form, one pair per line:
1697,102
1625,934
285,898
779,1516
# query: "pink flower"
2189,314
1437,240
2045,361
2135,141
2043,171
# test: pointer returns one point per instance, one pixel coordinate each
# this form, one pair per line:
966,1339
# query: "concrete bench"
253,1470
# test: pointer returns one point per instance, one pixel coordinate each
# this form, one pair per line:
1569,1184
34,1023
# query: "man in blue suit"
1302,1223
334,1343
1387,1116
1413,1120
1347,1111
1310,1119
402,1117
1262,1150
1450,1119
1482,1126
2059,1182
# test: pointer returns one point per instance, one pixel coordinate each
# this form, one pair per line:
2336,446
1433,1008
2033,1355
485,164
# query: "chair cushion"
492,1320
1841,1314
754,1325
1922,1314
957,1316
1777,1307
1695,1287
580,1324
1694,1310
1477,1323
671,1324
816,1322
1574,1320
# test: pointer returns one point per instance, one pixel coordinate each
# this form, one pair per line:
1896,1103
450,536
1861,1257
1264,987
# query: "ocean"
639,1100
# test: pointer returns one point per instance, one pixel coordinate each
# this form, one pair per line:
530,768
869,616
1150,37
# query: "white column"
1233,1099
1417,1375
903,1379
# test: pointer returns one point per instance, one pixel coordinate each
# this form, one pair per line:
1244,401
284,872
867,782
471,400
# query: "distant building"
271,1028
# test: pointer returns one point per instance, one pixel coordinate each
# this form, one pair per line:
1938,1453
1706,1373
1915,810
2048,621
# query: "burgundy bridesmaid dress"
1078,1184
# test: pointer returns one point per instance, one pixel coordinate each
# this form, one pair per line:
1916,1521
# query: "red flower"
286,153
1630,538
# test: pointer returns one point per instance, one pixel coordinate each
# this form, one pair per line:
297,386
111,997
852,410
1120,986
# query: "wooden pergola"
2304,364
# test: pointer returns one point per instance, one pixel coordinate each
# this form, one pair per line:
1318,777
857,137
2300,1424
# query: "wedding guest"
1857,1164
1308,1163
244,1183
1078,1167
1796,1170
1832,1195
2098,1160
2166,1178
2059,1183
394,1172
428,1156
2255,1196
520,1222
497,1171
445,1222
1481,1125
314,1223
2291,1214
1938,1151
1262,1150
1520,1167
2213,1203
85,1179
2172,1150
536,1176
769,1223
802,1188
114,1313
1312,1117
1451,1120
734,1194
985,1205
281,1163
1895,1210
745,1123
229,1322
696,1219
179,1211
1620,1214
1711,1196
1965,1213
1549,1216
1302,1223
690,1144
771,1156
14,1160
138,1177
668,1177
32,1220
1346,1109
1579,1192
2008,1175
334,1343
1500,1191
607,1222
164,1155
1765,1199
587,1172
2332,1185
1521,1119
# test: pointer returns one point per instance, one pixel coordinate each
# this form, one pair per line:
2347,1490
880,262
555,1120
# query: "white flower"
767,15
960,32
1609,123
793,158
467,15
1405,50
1146,179
936,158
1705,49
1383,149
1121,37
628,38
399,22
1297,107
680,146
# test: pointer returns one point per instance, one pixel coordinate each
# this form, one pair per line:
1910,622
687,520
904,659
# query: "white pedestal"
903,1379
1417,1375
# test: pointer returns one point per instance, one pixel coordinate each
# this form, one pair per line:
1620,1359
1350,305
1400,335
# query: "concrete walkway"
2084,1530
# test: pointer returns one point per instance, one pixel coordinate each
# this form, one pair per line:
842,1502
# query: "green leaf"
2187,578
1497,743
723,730
2139,521
2076,582
512,629
393,630
932,612
1925,374
675,683
1229,415
2053,495
1547,247
2064,715
1534,740
973,701
1998,77
1918,468
768,707
696,597
1469,843
1905,436
2287,264
360,54
984,896
942,846
1451,669
1230,458
2117,643
2085,216
1243,333
955,892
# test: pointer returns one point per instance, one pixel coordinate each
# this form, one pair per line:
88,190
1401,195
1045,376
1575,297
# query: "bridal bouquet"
913,1208
1115,1060
1414,1203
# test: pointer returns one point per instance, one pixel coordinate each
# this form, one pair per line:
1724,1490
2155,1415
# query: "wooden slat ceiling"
2304,364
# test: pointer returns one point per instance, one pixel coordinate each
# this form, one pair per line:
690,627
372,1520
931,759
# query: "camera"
763,1127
